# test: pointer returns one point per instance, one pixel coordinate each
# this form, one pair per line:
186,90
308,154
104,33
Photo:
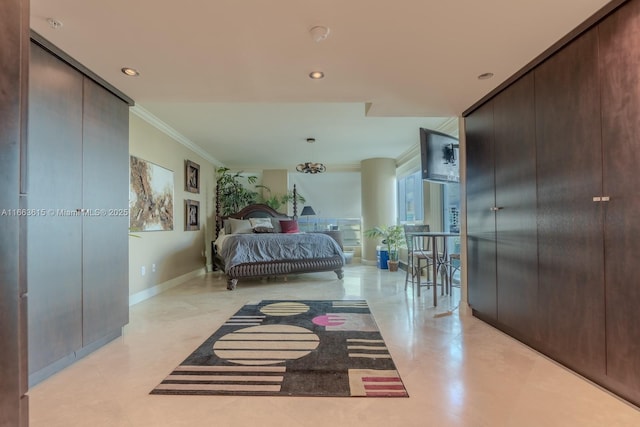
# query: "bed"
261,242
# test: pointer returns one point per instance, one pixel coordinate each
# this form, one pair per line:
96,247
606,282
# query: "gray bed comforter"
264,247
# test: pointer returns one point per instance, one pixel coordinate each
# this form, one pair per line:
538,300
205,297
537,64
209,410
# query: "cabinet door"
516,229
105,274
54,178
14,20
481,223
570,239
620,62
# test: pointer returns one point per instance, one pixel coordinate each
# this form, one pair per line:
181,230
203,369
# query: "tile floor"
458,370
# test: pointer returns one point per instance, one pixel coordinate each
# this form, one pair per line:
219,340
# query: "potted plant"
233,194
392,236
276,201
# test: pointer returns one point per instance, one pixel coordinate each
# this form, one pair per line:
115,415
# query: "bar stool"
453,266
418,251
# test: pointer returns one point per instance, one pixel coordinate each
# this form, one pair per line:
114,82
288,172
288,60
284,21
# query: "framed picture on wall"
192,177
150,196
191,215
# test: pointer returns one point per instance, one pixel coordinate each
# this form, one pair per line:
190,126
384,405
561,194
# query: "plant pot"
393,265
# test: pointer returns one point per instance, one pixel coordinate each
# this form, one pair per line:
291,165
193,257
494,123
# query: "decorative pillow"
261,225
261,222
240,226
226,226
276,225
263,229
289,226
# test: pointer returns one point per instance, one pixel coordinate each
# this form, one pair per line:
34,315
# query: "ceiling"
231,76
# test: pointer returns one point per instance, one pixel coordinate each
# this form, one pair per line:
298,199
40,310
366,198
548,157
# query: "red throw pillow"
289,226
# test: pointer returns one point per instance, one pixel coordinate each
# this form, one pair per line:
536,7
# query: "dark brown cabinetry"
55,184
569,221
105,241
14,23
77,242
481,220
501,209
620,100
575,240
515,172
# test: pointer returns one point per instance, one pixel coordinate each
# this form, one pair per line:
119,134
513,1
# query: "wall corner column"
379,200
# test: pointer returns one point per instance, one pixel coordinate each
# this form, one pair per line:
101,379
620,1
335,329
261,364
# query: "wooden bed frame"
272,268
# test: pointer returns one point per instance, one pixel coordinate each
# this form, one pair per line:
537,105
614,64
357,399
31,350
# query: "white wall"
176,254
331,194
379,200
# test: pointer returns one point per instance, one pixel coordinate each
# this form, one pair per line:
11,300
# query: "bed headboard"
257,210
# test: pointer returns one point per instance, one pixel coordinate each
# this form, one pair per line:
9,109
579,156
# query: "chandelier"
311,167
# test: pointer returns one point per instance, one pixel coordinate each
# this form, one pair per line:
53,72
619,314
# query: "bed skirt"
279,268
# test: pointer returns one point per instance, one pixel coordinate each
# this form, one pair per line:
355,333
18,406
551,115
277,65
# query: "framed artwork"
150,196
192,177
191,215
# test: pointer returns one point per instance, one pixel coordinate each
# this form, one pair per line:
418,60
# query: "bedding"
289,226
236,249
260,242
262,225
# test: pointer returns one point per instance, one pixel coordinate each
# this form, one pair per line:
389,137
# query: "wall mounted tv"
439,154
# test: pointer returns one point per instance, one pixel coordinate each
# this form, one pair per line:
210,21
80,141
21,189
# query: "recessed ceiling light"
54,23
316,75
485,76
130,71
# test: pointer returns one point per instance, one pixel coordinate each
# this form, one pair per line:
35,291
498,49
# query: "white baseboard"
138,297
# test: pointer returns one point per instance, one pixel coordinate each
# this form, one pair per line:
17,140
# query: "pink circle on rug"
328,320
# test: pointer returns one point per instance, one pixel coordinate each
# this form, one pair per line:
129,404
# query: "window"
410,198
451,195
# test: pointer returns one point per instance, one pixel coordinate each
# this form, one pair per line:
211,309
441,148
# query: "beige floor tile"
458,370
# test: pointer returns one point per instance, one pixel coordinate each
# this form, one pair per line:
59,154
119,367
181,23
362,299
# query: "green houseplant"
233,193
392,236
276,201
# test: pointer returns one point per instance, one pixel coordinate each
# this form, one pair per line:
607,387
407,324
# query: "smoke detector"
54,23
319,33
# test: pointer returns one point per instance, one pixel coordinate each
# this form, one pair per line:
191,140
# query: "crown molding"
451,127
174,134
407,160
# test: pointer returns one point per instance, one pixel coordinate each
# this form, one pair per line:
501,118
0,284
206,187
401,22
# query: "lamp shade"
307,210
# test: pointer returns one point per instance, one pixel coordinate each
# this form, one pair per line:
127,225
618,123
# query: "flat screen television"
439,155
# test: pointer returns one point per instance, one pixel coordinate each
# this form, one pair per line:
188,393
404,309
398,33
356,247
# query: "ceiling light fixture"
316,75
311,167
319,33
485,76
132,72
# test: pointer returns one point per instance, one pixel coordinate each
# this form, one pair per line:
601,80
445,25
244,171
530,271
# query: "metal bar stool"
418,250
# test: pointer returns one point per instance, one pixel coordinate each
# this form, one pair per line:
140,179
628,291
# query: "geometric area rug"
291,348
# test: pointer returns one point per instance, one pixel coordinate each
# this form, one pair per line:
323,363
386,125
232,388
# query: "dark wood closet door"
105,245
481,219
516,229
55,185
14,49
570,231
620,76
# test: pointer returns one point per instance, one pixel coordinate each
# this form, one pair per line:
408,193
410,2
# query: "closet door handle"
495,208
601,199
